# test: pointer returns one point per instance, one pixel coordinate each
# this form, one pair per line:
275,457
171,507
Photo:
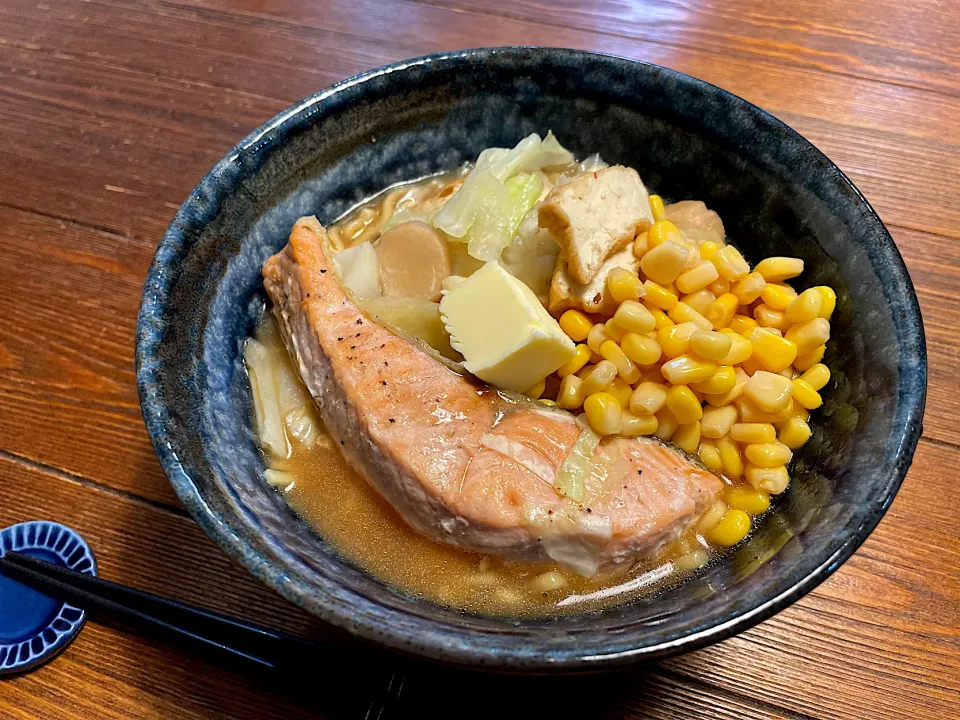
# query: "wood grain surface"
110,113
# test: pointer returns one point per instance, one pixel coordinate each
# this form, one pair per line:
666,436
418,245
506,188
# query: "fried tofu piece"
594,216
592,297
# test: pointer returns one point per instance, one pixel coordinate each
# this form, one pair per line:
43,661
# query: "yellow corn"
663,230
693,258
711,345
621,391
794,433
580,358
806,306
768,454
642,350
750,365
585,371
684,404
730,263
603,413
536,391
769,391
711,517
770,351
730,455
740,348
570,396
609,350
682,312
816,376
641,245
576,325
752,502
613,331
742,324
710,455
753,433
777,269
722,380
675,340
829,301
721,311
806,395
750,412
663,263
767,317
778,296
708,249
596,337
733,393
548,401
687,437
700,300
749,288
809,335
773,480
624,285
807,360
716,422
687,369
697,278
632,425
666,423
634,317
732,528
600,378
656,208
659,316
719,287
658,295
648,398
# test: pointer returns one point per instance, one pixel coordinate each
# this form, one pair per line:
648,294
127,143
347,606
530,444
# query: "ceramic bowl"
777,195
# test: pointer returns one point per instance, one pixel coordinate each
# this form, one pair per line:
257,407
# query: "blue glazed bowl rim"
464,647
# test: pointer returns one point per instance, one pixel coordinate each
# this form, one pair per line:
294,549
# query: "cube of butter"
507,338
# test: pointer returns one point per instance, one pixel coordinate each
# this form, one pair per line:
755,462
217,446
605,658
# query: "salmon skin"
462,463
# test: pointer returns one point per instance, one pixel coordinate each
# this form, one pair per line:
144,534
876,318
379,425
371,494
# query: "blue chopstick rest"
35,628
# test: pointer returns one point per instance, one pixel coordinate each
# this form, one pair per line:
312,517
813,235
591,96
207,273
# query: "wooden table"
111,111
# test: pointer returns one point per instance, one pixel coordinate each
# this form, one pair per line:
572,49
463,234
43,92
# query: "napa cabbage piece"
532,256
359,270
572,476
499,215
266,404
414,317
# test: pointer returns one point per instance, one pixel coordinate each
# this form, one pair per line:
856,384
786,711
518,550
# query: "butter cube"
507,338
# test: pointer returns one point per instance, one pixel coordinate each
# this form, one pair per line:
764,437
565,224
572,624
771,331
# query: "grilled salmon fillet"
461,462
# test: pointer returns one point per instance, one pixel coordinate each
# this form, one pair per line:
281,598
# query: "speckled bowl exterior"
776,193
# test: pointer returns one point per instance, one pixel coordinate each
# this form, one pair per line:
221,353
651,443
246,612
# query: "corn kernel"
666,423
732,528
806,395
663,230
570,395
806,306
730,456
642,350
684,404
807,360
719,287
687,437
750,365
767,317
742,324
708,249
710,345
710,455
721,311
722,380
632,425
752,502
658,295
613,331
624,285
753,433
682,312
675,340
634,317
749,288
771,352
536,391
777,296
596,337
548,401
641,244
687,369
716,422
648,398
576,325
700,300
733,393
609,350
809,335
829,301
657,209
585,371
777,269
769,391
740,348
773,480
600,378
794,433
693,259
663,263
697,278
768,454
580,358
730,263
711,517
750,412
603,413
816,376
621,390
